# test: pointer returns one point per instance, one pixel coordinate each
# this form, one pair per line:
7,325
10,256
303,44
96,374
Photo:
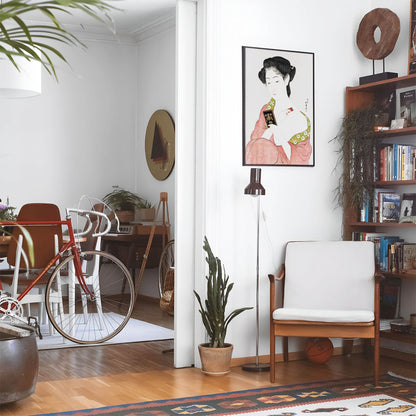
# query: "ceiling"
132,16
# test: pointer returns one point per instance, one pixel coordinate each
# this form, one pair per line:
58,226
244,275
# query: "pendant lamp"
22,83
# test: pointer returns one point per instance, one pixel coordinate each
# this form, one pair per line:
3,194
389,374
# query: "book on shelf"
397,162
408,208
389,207
401,256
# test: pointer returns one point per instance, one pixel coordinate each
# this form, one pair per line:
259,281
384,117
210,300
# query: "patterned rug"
348,397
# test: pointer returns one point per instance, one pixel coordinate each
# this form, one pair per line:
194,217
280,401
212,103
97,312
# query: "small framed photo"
406,105
408,208
398,123
278,107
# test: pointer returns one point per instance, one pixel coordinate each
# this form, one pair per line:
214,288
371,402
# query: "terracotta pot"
4,244
146,214
215,361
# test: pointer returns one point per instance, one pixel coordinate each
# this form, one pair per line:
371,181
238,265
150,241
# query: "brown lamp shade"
255,187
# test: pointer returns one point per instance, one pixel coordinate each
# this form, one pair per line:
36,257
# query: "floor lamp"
256,189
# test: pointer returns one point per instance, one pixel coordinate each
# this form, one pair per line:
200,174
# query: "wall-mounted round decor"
160,144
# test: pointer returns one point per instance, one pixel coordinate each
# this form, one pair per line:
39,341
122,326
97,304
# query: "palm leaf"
28,40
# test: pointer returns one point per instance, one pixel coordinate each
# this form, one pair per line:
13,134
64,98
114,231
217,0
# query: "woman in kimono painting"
281,135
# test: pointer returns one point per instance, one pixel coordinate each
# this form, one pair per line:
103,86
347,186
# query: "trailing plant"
213,310
123,200
33,41
357,154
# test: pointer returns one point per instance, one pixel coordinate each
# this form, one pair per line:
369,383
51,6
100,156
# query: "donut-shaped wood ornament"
389,25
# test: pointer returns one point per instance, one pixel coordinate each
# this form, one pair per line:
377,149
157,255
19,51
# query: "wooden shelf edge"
408,338
398,82
383,224
400,275
406,131
395,183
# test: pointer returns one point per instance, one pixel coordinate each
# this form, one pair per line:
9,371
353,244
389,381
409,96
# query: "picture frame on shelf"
397,123
406,105
408,208
278,117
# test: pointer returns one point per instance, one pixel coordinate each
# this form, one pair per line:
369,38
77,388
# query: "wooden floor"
88,377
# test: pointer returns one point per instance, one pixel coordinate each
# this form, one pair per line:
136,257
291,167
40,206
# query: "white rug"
134,331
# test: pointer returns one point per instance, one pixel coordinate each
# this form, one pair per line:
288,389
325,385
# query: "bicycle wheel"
167,261
83,318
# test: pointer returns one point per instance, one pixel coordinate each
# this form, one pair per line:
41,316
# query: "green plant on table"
122,200
212,310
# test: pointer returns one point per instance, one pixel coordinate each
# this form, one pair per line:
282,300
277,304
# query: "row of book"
389,206
392,253
397,162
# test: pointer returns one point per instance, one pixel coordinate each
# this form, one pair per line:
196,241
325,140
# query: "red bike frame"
70,245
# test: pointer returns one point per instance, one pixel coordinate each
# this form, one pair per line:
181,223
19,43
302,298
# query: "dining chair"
46,240
330,289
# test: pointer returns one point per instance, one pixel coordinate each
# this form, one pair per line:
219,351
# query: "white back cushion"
335,275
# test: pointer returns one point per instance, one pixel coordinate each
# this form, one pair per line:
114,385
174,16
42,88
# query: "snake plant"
218,289
33,41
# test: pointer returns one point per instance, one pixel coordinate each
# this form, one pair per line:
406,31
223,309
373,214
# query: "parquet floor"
79,378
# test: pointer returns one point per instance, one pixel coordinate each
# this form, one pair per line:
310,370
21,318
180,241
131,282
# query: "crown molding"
134,35
154,28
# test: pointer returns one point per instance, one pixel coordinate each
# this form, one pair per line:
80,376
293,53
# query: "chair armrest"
272,278
280,275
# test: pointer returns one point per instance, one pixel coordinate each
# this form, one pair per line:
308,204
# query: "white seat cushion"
323,315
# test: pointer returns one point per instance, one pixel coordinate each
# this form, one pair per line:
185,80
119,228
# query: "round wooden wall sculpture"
389,25
160,144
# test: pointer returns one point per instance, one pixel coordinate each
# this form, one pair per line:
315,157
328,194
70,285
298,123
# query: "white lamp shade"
20,84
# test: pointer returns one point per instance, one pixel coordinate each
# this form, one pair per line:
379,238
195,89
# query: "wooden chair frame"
286,328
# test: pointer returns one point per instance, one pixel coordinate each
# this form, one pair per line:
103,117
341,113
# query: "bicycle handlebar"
87,214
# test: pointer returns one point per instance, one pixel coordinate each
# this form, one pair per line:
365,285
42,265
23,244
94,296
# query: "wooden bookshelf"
361,97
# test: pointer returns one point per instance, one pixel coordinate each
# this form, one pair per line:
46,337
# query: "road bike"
89,295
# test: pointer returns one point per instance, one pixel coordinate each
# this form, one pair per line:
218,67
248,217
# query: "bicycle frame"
70,245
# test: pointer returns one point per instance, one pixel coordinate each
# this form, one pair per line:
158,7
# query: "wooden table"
131,248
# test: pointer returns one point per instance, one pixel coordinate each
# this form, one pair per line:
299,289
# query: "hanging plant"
358,155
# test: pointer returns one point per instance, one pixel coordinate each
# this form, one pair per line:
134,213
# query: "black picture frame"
297,118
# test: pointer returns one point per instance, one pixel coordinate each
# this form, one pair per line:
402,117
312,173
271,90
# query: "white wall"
299,200
156,91
78,136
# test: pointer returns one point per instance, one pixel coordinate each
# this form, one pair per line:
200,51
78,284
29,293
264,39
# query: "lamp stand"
257,366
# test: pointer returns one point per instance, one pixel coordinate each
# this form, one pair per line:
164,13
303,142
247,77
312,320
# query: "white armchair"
330,289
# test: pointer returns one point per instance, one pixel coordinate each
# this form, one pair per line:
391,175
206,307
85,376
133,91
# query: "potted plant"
123,202
216,355
145,211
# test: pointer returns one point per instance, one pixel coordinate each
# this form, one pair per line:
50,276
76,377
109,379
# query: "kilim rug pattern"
348,397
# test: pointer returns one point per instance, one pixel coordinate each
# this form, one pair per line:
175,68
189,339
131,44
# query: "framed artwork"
412,38
160,144
278,107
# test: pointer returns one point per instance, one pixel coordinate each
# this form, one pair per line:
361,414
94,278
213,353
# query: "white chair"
330,289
